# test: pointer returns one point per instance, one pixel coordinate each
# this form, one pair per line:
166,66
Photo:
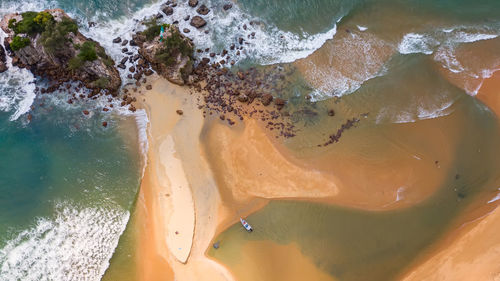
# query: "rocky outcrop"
3,65
49,45
172,58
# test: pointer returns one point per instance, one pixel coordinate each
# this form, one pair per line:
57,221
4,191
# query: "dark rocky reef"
170,56
49,44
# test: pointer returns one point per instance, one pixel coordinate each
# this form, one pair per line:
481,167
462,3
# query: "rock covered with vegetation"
49,44
170,56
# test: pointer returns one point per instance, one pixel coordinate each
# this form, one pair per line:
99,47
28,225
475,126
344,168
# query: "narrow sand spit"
178,196
180,225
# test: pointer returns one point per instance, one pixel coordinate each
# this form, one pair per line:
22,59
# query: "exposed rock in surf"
227,6
203,10
193,3
167,10
198,22
117,40
49,44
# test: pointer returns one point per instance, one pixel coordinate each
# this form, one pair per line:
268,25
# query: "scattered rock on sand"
266,99
180,112
331,112
149,87
243,98
198,22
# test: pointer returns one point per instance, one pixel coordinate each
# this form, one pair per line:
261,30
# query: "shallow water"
355,244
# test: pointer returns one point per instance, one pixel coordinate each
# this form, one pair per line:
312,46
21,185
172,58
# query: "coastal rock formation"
171,57
49,44
3,65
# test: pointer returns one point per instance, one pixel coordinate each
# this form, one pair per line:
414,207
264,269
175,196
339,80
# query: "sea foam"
76,244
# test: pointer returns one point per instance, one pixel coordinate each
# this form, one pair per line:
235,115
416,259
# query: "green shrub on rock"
43,19
28,25
101,83
19,42
87,52
75,63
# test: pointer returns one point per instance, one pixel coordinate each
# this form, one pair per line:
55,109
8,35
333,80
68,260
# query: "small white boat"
246,225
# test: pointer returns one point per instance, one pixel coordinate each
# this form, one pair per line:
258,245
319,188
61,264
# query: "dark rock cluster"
3,59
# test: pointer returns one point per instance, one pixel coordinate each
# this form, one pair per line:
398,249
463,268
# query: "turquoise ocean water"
67,185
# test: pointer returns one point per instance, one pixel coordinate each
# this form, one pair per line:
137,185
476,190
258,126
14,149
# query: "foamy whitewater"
76,245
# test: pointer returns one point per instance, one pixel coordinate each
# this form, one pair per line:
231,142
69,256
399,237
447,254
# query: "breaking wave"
76,245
